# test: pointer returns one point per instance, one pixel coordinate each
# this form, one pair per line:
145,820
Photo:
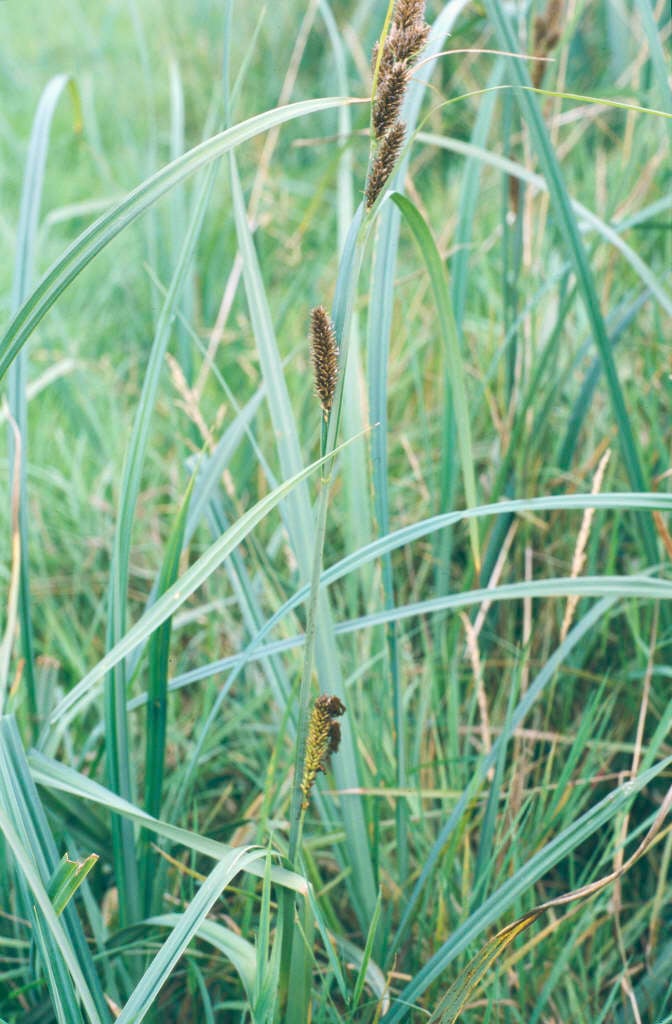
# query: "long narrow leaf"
101,232
448,328
157,974
82,694
567,223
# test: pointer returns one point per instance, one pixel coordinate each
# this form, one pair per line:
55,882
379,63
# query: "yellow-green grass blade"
91,241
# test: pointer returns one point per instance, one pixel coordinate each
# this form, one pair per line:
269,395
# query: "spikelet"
324,352
324,737
405,44
384,161
392,83
408,14
405,39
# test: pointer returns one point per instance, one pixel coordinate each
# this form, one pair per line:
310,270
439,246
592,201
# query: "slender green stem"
295,814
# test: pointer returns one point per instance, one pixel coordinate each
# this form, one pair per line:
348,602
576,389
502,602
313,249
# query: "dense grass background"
499,749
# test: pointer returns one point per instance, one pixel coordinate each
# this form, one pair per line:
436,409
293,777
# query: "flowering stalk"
405,38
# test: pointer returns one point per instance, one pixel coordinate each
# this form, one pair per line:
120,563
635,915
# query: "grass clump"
447,512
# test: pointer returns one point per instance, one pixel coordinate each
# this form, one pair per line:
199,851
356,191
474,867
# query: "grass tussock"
446,510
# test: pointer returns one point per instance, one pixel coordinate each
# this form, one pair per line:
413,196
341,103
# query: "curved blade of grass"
453,1002
25,829
531,114
234,947
642,587
448,328
407,535
175,596
645,587
117,744
51,774
537,687
298,515
538,865
102,231
67,878
607,231
31,197
158,972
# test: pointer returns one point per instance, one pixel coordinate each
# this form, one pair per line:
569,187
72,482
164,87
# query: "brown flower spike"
384,162
389,97
324,352
404,41
324,737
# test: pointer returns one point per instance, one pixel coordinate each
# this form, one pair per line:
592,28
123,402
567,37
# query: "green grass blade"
61,990
234,947
158,650
80,253
68,877
189,922
26,832
298,513
301,530
175,596
117,739
31,198
498,903
536,688
381,302
567,224
448,328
